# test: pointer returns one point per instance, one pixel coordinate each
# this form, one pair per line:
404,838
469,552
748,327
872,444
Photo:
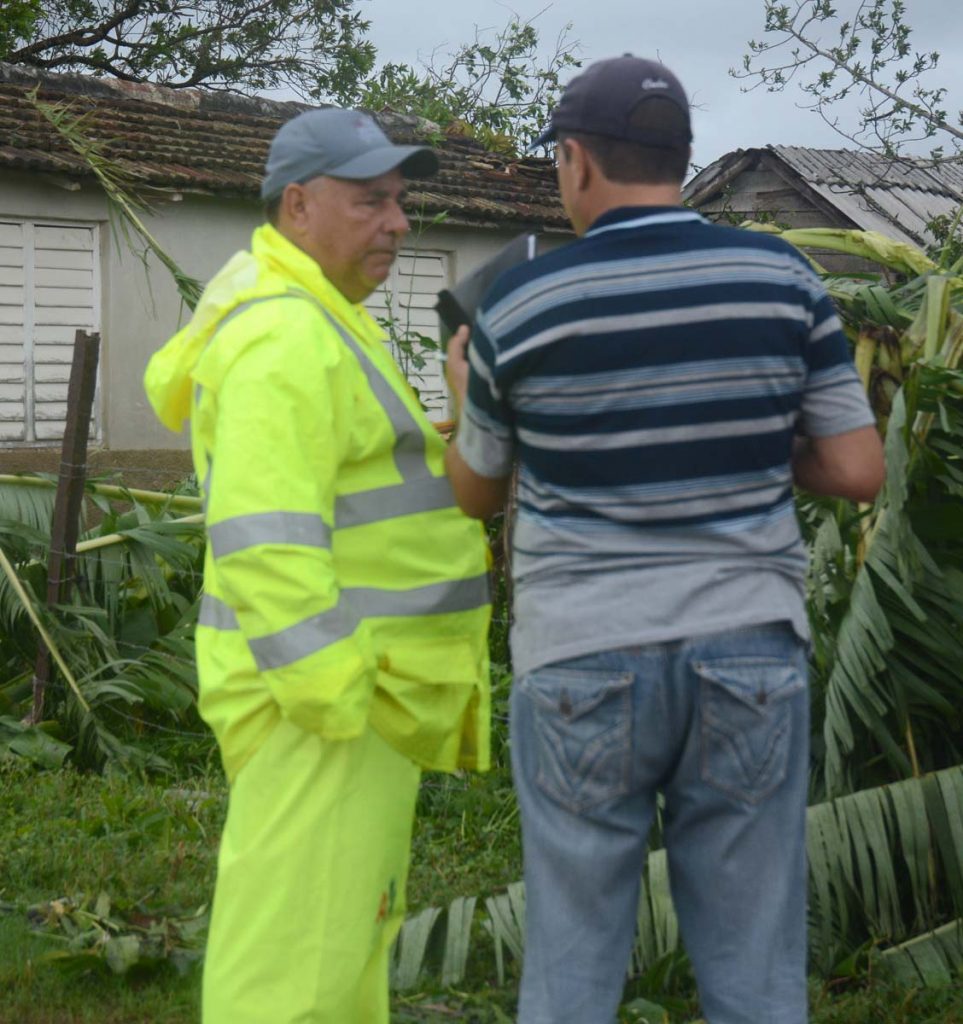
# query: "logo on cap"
654,83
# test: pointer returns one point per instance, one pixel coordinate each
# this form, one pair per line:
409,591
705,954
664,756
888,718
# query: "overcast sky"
698,39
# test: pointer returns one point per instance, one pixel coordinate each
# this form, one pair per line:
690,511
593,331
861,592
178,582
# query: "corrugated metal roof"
896,197
215,143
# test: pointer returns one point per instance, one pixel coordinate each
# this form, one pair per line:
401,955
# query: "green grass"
151,845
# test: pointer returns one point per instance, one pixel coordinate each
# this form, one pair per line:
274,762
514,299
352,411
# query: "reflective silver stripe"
241,532
433,599
216,614
243,307
319,631
306,637
420,490
314,634
410,444
365,507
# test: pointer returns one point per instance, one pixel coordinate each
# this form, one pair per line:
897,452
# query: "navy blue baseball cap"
603,99
338,144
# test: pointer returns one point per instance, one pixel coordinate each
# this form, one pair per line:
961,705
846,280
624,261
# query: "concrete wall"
140,305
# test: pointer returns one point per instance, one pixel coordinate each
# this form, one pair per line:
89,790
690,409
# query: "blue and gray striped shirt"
649,378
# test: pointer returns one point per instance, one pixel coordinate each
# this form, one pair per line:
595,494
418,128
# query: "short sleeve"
485,433
834,400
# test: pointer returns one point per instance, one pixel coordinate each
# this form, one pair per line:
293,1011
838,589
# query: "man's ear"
292,207
579,161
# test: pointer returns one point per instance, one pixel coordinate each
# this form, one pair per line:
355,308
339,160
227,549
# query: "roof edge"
193,99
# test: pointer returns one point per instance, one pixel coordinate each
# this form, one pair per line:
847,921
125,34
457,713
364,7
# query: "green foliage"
888,640
948,241
497,88
125,205
94,936
885,584
31,742
126,631
315,47
19,22
932,959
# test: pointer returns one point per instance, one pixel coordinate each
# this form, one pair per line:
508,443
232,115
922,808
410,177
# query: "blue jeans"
720,726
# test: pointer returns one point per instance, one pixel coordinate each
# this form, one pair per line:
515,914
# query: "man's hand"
456,367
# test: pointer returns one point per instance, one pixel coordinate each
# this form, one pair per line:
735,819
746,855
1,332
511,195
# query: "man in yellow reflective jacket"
341,639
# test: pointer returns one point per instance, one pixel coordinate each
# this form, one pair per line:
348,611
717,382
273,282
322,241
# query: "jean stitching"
577,788
762,773
763,776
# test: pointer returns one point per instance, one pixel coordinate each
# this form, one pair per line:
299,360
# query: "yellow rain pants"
311,882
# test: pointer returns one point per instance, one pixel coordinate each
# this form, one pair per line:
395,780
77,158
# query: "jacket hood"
167,379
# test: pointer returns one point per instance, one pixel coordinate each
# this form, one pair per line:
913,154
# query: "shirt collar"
626,217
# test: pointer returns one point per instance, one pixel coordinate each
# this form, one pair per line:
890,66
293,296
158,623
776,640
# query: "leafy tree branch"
317,48
499,87
865,54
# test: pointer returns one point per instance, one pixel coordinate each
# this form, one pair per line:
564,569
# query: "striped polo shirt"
649,379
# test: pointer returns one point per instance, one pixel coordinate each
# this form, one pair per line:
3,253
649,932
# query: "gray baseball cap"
602,100
339,144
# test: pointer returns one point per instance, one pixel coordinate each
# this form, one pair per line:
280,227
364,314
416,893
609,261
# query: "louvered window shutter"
49,287
405,305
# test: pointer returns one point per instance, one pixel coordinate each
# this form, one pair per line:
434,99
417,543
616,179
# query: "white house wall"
140,307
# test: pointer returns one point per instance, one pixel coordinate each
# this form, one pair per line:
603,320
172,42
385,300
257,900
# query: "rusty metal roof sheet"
216,143
896,197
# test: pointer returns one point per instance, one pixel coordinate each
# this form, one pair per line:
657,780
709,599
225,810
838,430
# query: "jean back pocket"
582,733
746,723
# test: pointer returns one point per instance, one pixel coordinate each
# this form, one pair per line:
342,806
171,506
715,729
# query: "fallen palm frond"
884,864
124,643
124,202
886,580
871,245
28,606
931,960
22,487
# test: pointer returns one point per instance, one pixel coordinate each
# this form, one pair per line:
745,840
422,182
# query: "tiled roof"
216,143
896,197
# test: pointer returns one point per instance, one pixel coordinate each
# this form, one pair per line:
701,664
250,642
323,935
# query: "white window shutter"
53,290
65,300
13,391
405,305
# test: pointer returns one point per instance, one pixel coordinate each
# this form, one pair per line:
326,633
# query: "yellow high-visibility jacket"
343,587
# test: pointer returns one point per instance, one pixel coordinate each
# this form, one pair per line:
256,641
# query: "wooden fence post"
70,495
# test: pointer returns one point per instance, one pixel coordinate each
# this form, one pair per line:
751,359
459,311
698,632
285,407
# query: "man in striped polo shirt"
662,382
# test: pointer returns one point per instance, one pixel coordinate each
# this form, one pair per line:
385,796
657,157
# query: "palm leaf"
23,501
888,642
458,929
506,925
409,960
871,245
934,959
884,862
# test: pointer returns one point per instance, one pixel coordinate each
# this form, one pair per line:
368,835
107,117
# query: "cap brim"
547,136
413,161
